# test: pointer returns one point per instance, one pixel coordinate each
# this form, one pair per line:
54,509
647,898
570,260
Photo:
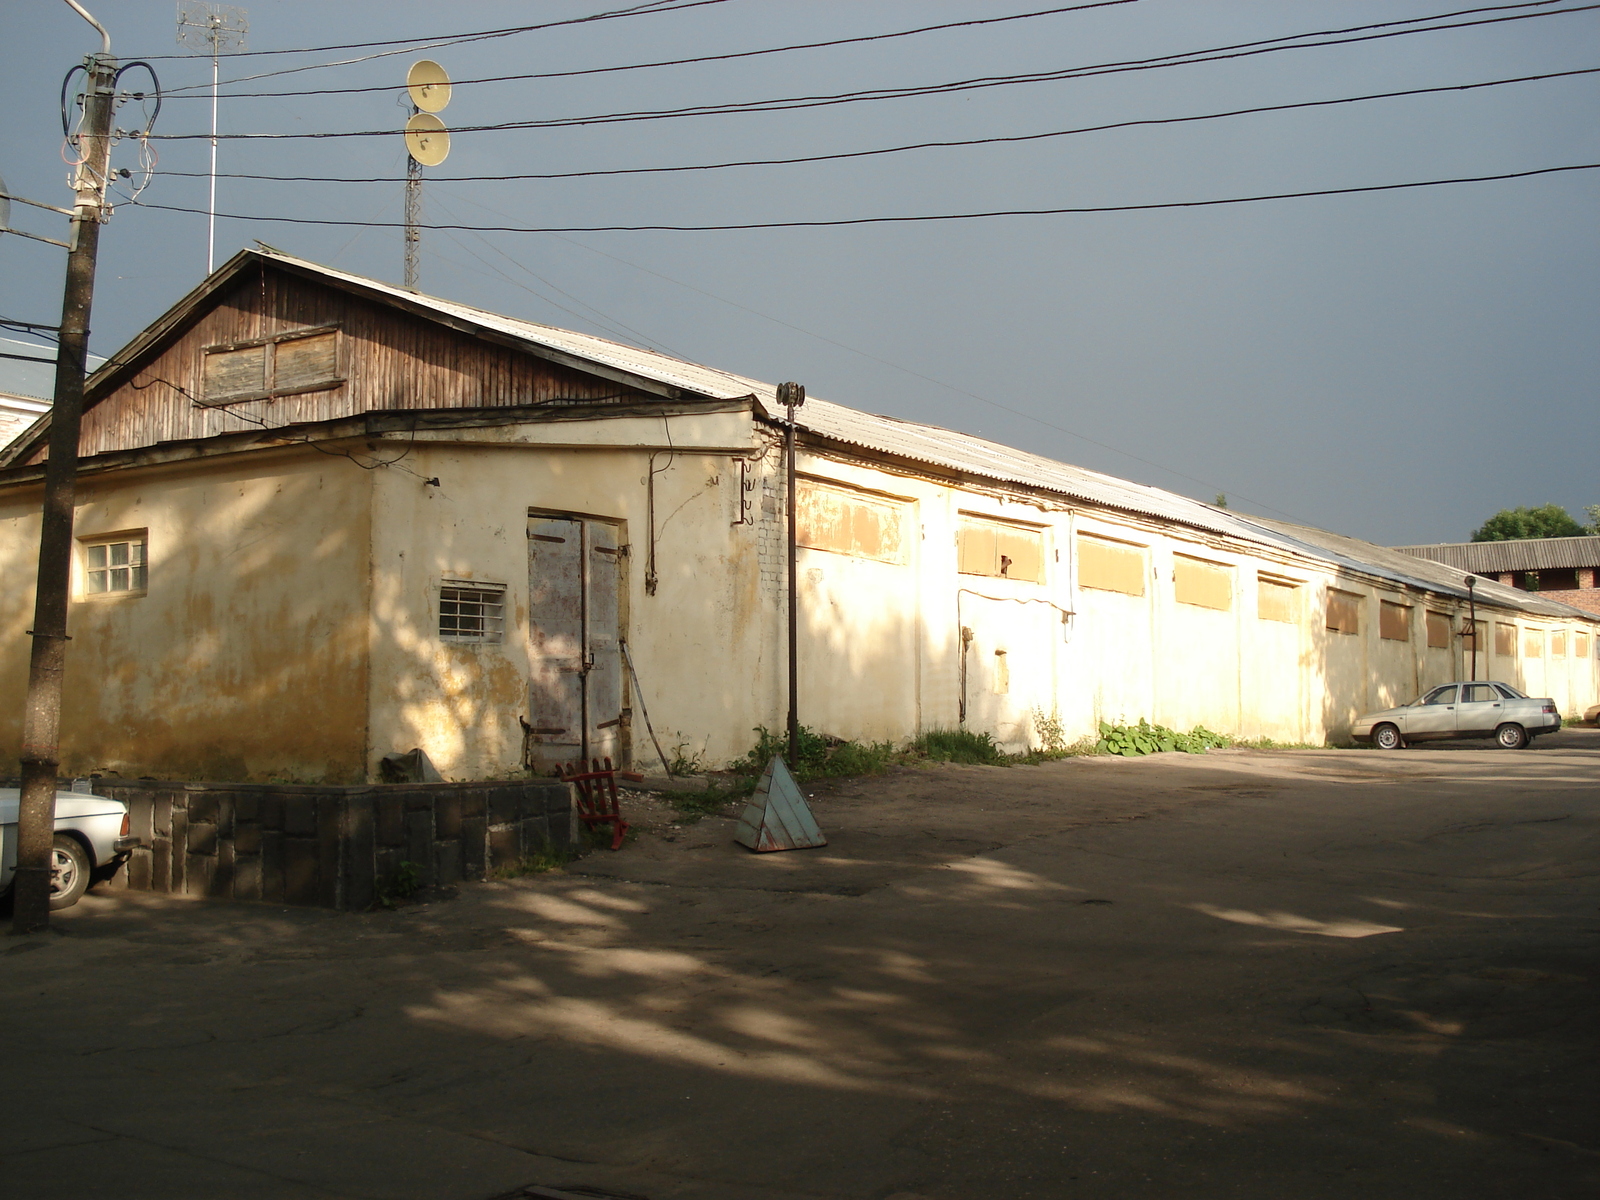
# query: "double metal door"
575,692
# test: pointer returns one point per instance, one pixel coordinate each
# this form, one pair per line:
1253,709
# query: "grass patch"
545,859
958,746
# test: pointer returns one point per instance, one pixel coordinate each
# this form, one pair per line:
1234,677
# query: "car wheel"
69,871
1511,737
1387,737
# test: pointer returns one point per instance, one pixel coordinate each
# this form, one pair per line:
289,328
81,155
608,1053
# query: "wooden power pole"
41,728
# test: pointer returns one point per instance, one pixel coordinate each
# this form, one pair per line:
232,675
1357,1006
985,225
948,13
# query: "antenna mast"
427,145
222,28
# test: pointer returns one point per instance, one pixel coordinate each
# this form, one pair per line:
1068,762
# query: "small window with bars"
472,612
116,566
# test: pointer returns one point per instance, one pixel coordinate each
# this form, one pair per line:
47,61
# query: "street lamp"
1472,623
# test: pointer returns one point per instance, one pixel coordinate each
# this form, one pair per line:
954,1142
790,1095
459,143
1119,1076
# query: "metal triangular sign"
778,817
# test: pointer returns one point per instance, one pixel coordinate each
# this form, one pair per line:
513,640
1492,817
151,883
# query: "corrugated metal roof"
1396,564
1523,554
917,443
663,368
967,454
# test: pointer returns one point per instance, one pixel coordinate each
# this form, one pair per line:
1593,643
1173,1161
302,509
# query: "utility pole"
792,396
41,728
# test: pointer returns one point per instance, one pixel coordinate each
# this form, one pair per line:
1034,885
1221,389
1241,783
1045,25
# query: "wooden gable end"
278,349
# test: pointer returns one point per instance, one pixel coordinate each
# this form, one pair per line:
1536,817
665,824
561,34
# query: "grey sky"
1395,366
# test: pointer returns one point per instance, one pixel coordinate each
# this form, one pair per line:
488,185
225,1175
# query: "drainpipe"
792,396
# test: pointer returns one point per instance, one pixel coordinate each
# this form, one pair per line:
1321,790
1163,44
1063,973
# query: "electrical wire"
911,219
795,103
505,31
412,45
708,58
851,154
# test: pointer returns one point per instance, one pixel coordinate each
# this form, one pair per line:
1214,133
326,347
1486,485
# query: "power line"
894,366
793,103
445,39
849,154
707,58
918,218
413,45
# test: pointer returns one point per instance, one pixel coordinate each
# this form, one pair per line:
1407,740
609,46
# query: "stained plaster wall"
702,643
244,659
881,645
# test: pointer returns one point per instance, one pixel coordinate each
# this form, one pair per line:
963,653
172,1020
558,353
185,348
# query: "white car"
1472,709
92,836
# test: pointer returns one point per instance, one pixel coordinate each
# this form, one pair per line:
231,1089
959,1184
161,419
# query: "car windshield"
1510,693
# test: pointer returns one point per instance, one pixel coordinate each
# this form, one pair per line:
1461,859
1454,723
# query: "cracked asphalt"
1317,974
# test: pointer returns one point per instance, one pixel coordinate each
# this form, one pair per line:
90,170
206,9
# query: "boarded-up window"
846,521
1438,631
1344,611
1533,643
1207,584
1394,621
1580,645
235,373
1110,566
1505,640
1277,600
1558,644
304,363
999,549
297,361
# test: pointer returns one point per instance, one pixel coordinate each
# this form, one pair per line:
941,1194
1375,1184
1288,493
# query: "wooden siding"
391,360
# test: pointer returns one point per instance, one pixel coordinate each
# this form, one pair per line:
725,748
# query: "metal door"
602,688
575,690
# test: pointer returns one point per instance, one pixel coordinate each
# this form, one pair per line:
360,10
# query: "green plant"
1051,733
820,756
1145,738
546,858
399,885
686,761
958,746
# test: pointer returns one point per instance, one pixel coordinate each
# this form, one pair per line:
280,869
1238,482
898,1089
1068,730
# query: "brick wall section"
1587,599
330,847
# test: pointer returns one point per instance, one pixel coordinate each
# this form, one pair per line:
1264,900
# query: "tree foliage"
1546,521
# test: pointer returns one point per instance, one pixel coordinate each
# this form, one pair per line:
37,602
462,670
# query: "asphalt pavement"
1247,974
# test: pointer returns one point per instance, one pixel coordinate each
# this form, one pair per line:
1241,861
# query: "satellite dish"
428,85
427,139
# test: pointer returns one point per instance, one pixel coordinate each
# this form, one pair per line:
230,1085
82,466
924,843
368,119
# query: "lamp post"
1472,621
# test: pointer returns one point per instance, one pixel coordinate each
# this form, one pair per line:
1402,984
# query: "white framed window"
116,564
470,611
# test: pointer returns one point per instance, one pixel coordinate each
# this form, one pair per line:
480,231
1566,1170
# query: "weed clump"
1145,738
958,746
820,756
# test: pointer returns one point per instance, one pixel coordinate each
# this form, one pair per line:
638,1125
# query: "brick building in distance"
1560,569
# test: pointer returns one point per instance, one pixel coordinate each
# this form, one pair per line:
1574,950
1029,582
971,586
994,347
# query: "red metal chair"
597,796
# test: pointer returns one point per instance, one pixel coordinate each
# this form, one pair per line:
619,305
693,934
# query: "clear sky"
1394,365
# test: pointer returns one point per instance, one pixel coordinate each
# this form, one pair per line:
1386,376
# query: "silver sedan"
1473,709
92,837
